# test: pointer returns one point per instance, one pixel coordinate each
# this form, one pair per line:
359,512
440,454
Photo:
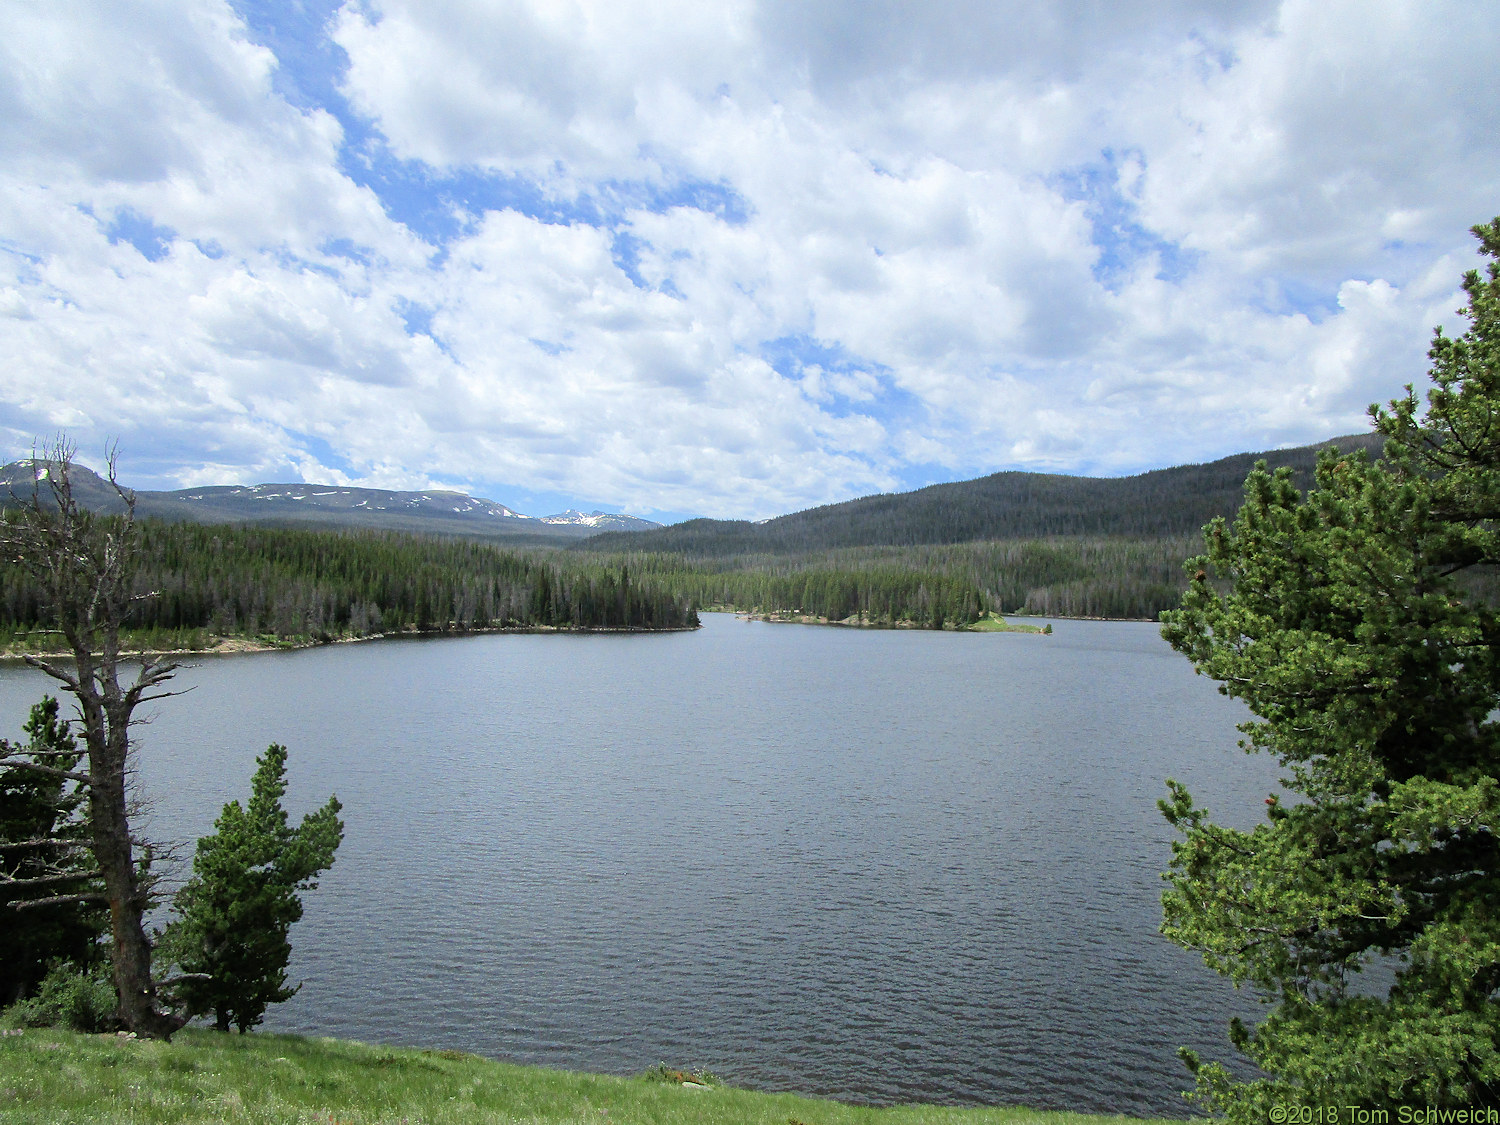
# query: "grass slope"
202,1077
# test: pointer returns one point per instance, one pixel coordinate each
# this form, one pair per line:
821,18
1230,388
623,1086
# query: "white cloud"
1343,126
940,253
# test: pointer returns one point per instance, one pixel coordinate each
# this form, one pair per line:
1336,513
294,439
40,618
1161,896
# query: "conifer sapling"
231,939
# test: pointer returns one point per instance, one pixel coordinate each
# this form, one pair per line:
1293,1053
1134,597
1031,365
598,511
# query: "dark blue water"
879,866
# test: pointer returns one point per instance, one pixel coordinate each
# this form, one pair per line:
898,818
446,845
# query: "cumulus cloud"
733,258
1341,133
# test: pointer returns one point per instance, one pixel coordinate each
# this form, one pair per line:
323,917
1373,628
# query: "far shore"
228,646
989,623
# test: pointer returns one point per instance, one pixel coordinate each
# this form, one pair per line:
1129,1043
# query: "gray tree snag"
85,563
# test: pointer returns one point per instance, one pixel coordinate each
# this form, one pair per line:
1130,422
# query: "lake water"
879,866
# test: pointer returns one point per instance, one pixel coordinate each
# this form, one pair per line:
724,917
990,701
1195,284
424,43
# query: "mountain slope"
1010,505
599,521
1003,506
432,511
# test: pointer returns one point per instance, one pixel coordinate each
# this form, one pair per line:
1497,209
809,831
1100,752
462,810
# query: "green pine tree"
44,845
1360,625
231,939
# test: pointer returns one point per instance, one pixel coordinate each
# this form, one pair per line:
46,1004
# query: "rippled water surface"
881,866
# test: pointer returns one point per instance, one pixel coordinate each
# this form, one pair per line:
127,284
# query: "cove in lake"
879,866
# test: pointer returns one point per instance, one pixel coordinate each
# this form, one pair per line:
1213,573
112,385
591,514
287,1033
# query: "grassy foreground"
60,1078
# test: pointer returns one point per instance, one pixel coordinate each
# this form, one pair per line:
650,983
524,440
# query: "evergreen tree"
1354,623
44,853
231,939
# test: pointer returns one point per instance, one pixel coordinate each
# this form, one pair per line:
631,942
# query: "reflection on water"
881,866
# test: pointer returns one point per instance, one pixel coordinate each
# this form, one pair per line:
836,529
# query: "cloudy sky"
734,258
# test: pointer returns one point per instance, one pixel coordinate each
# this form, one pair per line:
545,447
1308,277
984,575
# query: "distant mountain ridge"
1162,503
433,510
1170,502
595,519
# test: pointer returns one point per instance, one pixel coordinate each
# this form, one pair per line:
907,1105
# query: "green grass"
201,1077
993,623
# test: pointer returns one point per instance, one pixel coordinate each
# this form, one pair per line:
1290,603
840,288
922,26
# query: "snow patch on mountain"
300,501
606,520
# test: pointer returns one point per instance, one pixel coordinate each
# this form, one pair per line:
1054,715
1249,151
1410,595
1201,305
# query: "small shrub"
75,998
661,1072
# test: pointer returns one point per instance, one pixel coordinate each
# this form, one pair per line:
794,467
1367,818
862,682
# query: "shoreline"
990,623
1021,619
234,646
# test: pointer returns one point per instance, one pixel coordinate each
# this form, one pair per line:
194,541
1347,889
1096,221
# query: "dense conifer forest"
292,585
870,592
289,586
1165,503
938,584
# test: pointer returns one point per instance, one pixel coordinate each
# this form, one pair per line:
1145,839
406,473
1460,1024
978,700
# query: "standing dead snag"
85,564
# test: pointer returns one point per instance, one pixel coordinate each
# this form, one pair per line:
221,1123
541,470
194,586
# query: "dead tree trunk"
86,564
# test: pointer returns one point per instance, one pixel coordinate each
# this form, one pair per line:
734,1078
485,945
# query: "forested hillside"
1011,542
293,585
1165,503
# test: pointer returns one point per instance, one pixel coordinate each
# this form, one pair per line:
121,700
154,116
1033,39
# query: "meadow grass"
202,1077
992,622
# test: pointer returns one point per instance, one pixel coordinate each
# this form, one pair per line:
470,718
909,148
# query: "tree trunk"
106,733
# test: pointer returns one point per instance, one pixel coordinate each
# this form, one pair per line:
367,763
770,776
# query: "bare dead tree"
85,564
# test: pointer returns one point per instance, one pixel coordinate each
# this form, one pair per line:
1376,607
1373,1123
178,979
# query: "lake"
874,865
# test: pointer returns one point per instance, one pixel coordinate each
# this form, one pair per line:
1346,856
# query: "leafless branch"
46,880
68,679
160,695
53,900
52,771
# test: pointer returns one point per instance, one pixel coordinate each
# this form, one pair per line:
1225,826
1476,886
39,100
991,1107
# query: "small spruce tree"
231,939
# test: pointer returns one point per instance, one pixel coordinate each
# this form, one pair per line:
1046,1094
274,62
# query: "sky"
733,259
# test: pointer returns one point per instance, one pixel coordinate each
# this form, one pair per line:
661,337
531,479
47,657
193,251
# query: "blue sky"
729,259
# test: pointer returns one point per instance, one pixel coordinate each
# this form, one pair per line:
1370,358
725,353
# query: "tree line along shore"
226,587
280,586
